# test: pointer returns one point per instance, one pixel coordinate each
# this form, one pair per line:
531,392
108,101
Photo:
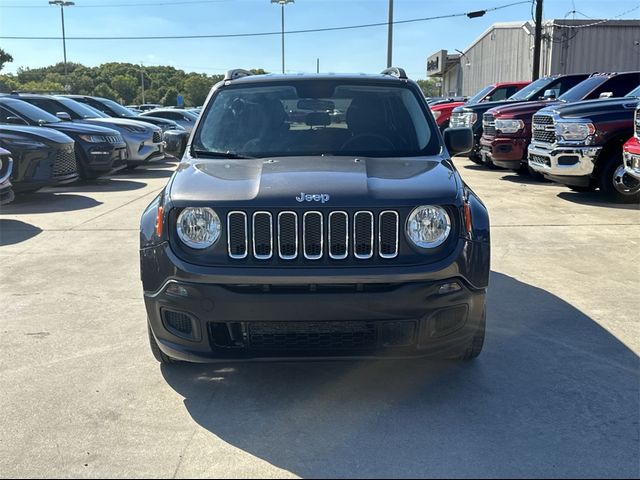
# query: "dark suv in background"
41,157
98,150
144,141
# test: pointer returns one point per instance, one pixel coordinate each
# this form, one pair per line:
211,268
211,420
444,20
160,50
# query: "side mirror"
15,121
63,116
606,95
458,140
549,95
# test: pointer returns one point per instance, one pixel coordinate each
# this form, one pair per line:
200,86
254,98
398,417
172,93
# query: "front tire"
157,353
616,184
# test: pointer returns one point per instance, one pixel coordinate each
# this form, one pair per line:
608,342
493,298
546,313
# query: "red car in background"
493,92
631,149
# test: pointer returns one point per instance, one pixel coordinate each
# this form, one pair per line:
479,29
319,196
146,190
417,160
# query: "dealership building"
505,53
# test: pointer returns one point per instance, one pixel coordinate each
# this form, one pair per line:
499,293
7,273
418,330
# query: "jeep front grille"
489,125
543,129
312,235
65,162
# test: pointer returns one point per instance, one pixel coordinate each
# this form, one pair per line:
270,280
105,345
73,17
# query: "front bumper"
631,157
505,152
6,193
256,313
104,157
142,151
571,165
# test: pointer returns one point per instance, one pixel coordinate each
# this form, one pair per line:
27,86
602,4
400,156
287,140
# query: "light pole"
62,4
390,36
282,4
142,80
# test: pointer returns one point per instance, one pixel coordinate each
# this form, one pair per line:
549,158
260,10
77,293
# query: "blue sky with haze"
362,50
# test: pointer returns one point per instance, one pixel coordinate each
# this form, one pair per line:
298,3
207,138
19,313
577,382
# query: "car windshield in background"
34,114
530,90
634,93
118,109
581,90
316,118
480,95
80,109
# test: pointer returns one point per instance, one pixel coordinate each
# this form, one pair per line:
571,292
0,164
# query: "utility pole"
390,36
142,80
282,4
318,65
63,4
537,42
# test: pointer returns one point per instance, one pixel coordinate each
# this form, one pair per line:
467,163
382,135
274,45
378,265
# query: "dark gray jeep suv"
286,233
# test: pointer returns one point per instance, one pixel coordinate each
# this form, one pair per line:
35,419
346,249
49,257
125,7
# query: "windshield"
530,90
32,113
480,95
634,93
316,118
80,109
117,109
581,90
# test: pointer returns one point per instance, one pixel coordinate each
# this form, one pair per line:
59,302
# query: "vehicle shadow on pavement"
553,394
595,199
527,180
15,231
48,202
142,173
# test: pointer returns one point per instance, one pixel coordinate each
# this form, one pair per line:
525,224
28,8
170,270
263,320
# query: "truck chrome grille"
313,235
543,129
489,125
637,122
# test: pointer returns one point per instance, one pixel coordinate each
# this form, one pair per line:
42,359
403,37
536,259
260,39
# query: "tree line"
123,82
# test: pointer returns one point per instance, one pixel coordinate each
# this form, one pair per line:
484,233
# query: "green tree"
4,58
171,97
104,90
196,89
125,86
429,87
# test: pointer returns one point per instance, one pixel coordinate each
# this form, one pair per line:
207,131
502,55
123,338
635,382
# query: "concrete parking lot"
555,393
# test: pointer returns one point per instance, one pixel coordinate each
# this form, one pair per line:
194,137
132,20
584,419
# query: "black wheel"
83,172
475,158
157,353
615,183
444,126
522,170
576,188
477,342
536,175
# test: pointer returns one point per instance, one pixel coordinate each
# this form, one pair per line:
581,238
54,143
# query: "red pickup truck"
631,149
493,92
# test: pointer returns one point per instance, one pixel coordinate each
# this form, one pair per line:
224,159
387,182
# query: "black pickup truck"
580,145
545,88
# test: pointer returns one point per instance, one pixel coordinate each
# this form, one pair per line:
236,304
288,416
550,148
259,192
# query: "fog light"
177,290
449,288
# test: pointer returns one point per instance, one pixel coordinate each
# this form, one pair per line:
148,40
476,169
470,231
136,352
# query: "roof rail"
396,72
236,73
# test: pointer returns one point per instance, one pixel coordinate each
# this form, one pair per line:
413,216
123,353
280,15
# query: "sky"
360,50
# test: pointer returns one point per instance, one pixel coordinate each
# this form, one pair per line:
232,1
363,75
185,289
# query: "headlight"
466,119
436,113
199,227
14,143
509,126
428,226
574,131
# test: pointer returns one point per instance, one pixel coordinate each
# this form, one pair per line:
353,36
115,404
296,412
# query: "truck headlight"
199,227
428,226
574,131
509,126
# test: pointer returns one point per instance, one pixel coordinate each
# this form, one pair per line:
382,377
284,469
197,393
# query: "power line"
264,34
124,5
600,22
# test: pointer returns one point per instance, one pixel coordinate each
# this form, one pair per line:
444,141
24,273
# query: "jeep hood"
112,122
72,128
35,133
348,181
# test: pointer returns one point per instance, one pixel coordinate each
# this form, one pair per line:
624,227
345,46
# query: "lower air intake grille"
157,136
65,163
303,336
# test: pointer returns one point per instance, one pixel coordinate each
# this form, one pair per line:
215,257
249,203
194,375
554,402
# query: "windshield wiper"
213,154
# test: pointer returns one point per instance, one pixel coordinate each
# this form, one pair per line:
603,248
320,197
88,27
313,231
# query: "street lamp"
62,4
282,4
